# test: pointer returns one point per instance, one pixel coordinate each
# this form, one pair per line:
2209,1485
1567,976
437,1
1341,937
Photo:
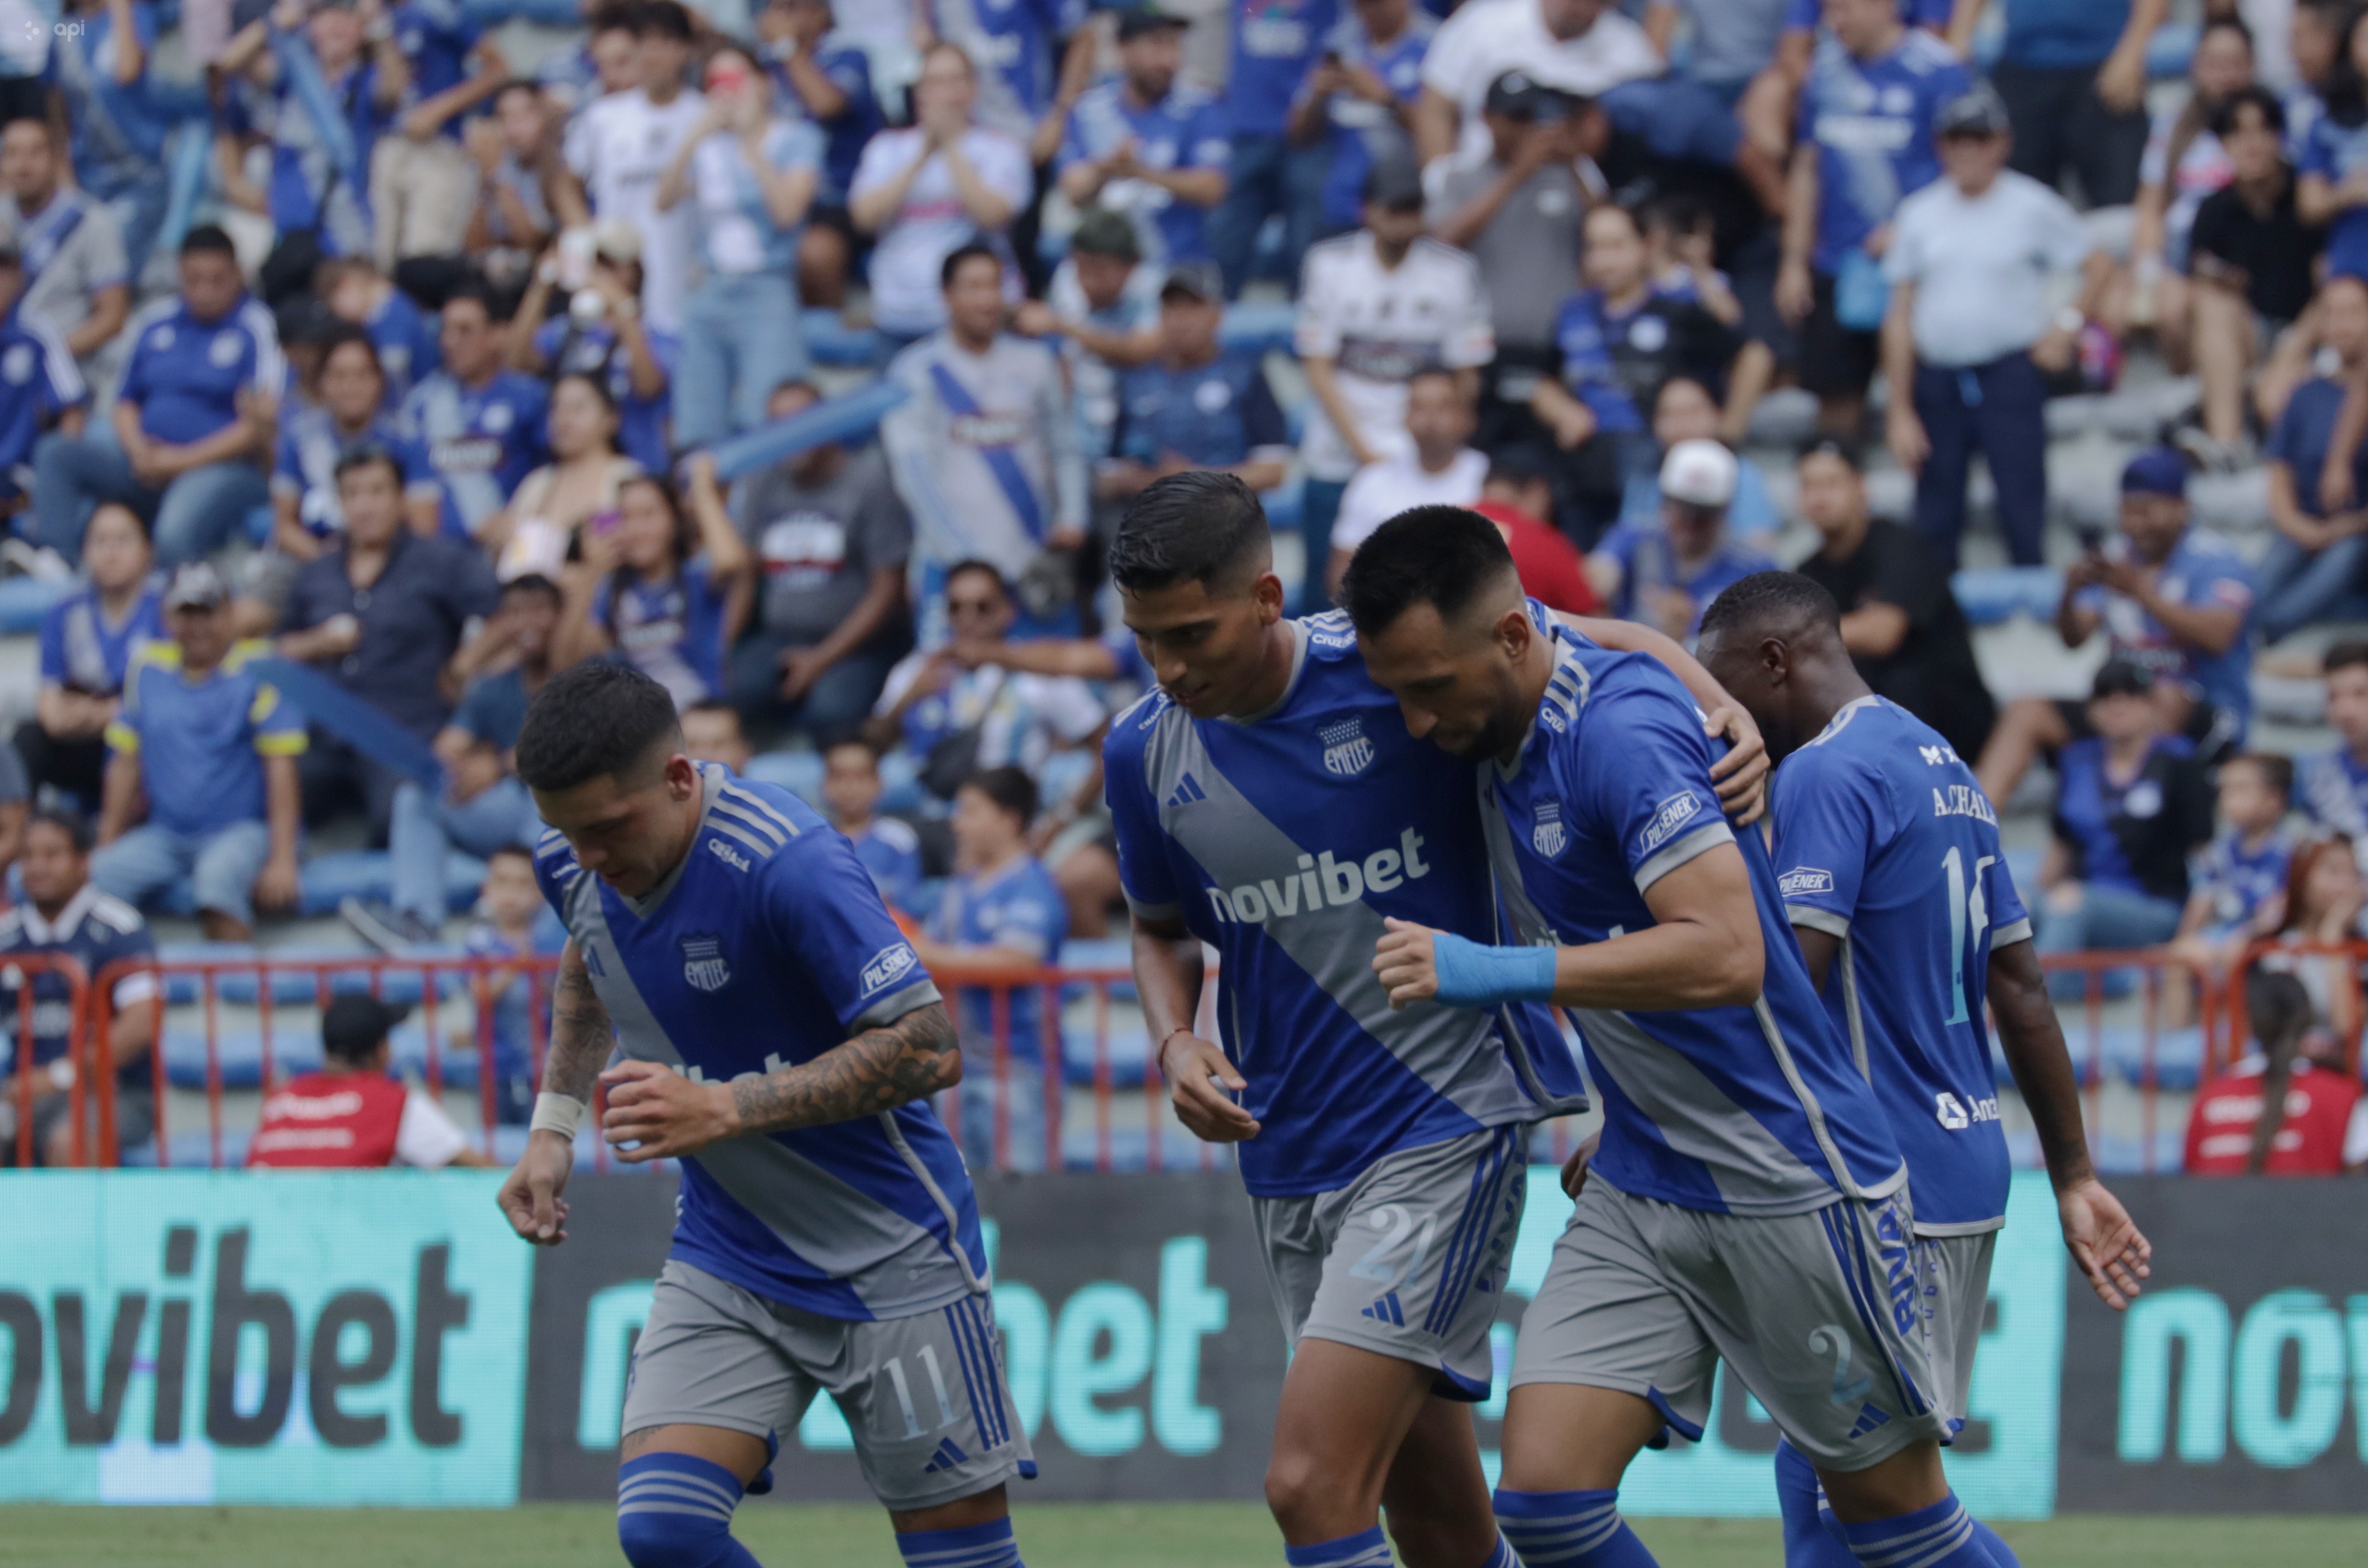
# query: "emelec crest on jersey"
1547,835
1347,752
702,961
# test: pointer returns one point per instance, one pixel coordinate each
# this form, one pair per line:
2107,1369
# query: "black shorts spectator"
1835,361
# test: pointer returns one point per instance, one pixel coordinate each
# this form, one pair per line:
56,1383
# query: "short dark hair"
1519,466
2277,772
371,455
952,265
209,238
488,298
1835,447
346,334
986,568
2343,655
535,582
1442,556
1784,597
1202,525
715,705
520,84
598,719
2228,23
500,850
73,824
618,16
1009,788
2272,113
667,18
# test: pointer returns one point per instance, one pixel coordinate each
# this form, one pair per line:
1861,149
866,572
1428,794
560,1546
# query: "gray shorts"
1956,1271
1407,1261
1821,1315
925,1396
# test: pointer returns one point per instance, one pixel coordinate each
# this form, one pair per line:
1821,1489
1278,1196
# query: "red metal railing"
1085,1031
17,979
1077,1004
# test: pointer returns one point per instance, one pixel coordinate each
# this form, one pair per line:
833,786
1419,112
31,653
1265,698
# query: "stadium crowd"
429,349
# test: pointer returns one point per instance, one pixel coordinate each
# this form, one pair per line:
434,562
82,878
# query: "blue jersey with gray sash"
1884,840
766,947
1282,841
1744,1110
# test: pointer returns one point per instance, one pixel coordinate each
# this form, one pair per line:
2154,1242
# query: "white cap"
1699,473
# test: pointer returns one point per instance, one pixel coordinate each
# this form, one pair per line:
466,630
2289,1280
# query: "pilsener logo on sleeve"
1671,815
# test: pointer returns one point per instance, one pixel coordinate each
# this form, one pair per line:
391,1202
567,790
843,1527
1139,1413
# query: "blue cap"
2158,470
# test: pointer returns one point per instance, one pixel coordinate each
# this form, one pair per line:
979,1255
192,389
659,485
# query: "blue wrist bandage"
1473,975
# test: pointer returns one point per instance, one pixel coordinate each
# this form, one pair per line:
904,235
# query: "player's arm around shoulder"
1742,775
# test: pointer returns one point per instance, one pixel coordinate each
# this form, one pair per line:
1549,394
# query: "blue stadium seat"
1129,1054
1991,595
1285,507
832,342
1131,1148
23,602
799,772
1263,327
296,1048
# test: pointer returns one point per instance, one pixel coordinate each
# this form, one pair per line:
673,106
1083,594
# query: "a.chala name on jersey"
1321,881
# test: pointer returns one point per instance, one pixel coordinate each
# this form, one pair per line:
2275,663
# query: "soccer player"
1874,815
1747,1201
1268,801
781,1039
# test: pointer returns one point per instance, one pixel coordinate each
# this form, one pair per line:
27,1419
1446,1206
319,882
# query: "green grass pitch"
1050,1534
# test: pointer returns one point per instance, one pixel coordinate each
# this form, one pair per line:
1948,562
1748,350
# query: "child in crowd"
889,849
354,1114
2238,887
712,732
514,923
1002,914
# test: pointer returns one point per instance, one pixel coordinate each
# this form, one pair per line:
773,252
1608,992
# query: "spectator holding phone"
752,177
2171,600
664,591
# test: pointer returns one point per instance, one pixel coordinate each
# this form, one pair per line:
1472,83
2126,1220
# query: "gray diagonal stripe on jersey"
1755,1172
1236,843
851,1236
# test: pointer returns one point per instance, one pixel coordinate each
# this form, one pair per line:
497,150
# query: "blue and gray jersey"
1873,819
1282,841
984,451
766,947
1743,1110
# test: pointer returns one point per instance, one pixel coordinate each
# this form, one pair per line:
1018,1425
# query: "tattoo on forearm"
877,1071
580,1036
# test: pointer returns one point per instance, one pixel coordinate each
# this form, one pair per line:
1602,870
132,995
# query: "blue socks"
1366,1548
1503,1556
989,1545
674,1511
1943,1536
1570,1530
1812,1537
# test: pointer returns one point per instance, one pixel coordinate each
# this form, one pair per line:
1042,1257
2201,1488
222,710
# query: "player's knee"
674,1511
658,1539
1293,1484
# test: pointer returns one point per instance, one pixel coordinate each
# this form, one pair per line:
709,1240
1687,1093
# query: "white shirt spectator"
1489,37
1381,491
1982,265
1019,718
906,295
620,147
1379,326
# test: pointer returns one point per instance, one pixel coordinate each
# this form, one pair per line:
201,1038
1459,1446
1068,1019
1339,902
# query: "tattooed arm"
581,1037
580,1041
666,1115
